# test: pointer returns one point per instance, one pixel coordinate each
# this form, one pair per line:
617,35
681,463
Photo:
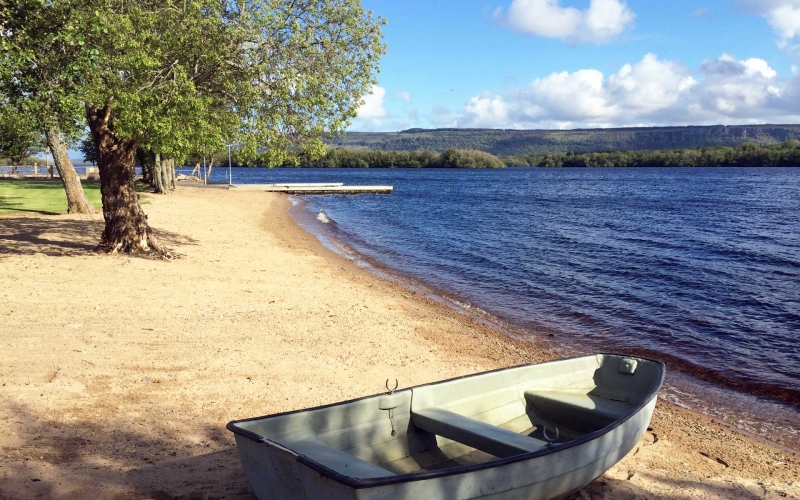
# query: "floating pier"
314,188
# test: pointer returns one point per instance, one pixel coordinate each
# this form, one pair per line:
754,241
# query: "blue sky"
585,63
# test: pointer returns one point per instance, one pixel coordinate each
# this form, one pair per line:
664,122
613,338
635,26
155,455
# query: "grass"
45,197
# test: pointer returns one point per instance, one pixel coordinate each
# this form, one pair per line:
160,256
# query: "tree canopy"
18,136
179,76
200,74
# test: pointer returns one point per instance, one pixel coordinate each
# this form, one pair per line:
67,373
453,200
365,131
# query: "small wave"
323,217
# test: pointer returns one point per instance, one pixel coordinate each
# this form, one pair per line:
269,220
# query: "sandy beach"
118,374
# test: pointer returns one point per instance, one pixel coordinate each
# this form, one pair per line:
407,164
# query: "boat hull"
278,472
539,478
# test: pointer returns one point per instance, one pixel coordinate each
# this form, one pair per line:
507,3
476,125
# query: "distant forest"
748,154
528,142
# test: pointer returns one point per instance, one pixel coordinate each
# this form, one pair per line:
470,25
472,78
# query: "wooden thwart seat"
334,459
479,435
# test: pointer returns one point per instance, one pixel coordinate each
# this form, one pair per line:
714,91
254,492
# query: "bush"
470,158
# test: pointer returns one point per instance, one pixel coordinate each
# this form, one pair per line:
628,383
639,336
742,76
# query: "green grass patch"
47,197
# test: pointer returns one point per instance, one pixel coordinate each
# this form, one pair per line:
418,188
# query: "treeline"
350,158
748,154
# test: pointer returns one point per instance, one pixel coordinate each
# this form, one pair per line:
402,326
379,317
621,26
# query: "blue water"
698,267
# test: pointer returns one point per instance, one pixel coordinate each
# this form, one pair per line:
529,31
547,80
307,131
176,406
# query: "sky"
562,64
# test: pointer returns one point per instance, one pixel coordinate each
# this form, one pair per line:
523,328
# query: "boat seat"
479,435
334,459
557,402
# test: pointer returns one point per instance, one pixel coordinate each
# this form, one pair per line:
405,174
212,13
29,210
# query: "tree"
88,150
37,64
470,158
18,138
199,74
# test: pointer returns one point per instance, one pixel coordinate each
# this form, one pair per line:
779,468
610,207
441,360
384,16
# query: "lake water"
697,267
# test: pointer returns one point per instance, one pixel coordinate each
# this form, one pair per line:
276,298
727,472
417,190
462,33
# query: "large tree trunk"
126,224
76,198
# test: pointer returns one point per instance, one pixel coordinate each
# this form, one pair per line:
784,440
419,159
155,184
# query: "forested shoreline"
786,154
452,158
748,154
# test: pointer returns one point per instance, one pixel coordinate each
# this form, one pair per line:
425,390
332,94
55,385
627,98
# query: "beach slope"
118,374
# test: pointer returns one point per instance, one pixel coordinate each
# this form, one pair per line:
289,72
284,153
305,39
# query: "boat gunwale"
450,471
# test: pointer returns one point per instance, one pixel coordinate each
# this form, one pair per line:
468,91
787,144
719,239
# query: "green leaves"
18,136
269,75
43,62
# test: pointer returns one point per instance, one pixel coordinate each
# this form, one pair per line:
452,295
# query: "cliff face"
523,142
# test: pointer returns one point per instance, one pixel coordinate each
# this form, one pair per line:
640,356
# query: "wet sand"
118,374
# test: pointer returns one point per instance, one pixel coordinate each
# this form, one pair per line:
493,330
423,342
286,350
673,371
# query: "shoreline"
340,248
539,337
119,374
499,326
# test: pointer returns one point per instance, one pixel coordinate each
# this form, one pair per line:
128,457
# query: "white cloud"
601,22
785,20
649,92
372,108
782,15
649,85
404,96
486,111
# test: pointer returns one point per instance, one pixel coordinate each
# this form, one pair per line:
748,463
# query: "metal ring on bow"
548,438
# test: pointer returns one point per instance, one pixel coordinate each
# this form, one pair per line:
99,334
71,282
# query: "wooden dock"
314,188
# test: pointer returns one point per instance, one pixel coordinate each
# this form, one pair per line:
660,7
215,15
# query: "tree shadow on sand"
88,459
63,236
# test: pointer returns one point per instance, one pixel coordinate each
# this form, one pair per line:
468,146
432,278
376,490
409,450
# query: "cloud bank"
649,92
601,22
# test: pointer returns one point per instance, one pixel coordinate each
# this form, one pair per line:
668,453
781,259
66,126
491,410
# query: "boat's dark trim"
418,476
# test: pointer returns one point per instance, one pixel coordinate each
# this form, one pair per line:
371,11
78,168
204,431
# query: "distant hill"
525,142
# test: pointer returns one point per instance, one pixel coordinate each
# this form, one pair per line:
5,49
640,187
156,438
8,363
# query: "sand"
118,374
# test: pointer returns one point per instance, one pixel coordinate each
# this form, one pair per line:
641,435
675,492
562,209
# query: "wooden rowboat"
528,432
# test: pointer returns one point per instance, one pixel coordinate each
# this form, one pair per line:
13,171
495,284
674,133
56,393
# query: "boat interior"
466,421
